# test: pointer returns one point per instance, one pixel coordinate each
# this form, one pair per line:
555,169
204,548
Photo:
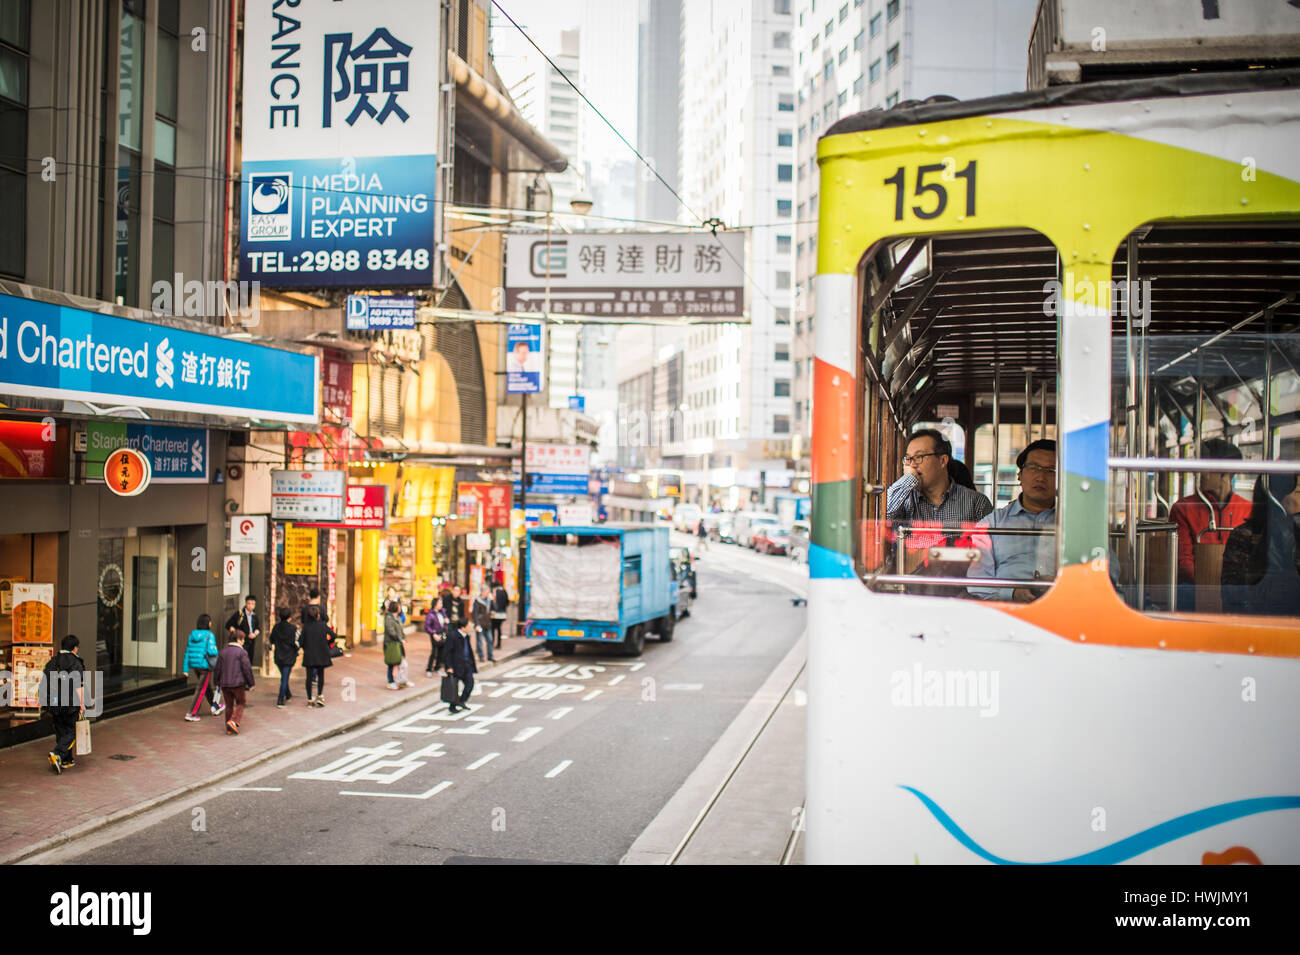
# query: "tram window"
1205,352
943,359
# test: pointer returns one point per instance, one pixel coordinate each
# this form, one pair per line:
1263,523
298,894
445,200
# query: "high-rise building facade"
659,92
856,55
737,164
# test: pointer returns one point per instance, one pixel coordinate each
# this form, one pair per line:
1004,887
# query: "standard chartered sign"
54,351
339,142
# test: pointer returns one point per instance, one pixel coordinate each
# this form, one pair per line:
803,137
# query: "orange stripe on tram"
833,426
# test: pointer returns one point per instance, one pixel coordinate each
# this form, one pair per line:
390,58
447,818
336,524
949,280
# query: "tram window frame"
1186,375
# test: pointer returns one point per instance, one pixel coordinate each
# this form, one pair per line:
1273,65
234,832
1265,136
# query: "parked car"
748,522
683,556
800,536
686,517
771,540
683,593
725,530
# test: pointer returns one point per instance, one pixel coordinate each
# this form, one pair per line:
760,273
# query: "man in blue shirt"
1022,556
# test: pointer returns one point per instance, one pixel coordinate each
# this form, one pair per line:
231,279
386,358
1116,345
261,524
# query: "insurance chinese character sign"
56,351
627,275
340,130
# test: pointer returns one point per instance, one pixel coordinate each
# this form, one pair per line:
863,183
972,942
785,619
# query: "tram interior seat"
1209,573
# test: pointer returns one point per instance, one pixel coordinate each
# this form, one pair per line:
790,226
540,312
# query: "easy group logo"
270,207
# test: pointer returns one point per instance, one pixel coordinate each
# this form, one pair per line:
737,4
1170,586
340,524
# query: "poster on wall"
340,135
300,553
524,358
230,575
28,665
33,613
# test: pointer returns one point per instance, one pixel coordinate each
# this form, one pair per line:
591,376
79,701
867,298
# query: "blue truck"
610,584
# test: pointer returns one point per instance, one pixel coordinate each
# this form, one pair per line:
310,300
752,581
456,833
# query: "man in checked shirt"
925,493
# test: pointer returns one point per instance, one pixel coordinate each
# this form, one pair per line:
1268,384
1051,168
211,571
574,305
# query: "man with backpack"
65,699
500,605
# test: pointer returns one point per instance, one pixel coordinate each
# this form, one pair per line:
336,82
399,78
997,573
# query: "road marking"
615,663
592,695
559,769
252,789
526,733
482,760
683,686
618,679
559,713
424,795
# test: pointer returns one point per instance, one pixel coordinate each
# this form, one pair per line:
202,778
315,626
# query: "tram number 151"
943,170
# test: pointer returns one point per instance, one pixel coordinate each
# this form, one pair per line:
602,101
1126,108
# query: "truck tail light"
609,634
539,633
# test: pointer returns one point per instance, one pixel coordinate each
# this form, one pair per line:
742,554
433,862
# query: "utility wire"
612,127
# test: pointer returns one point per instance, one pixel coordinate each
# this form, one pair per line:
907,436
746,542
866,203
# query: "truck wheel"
666,626
634,642
559,648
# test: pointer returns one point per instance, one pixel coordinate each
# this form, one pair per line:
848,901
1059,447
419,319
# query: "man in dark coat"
458,658
234,674
315,642
247,622
65,700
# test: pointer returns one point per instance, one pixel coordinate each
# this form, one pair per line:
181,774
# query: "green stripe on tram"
1083,530
832,513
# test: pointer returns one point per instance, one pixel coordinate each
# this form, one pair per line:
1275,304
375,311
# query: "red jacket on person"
1193,517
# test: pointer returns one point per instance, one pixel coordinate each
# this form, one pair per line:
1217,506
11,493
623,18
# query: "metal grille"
385,413
458,343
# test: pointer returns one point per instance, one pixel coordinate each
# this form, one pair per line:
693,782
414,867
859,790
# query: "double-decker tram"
1084,645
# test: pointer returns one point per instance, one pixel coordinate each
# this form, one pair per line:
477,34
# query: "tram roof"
983,302
937,109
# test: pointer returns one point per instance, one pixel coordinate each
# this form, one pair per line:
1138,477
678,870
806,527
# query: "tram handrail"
1212,465
975,529
994,582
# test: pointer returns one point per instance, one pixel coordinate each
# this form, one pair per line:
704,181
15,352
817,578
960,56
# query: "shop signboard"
478,541
575,515
336,388
33,450
524,357
72,354
541,515
476,577
308,495
380,312
28,667
622,275
33,613
457,526
557,469
248,534
466,505
176,455
300,555
340,135
492,501
366,509
127,472
230,568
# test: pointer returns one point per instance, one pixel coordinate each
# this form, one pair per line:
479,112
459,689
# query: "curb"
93,825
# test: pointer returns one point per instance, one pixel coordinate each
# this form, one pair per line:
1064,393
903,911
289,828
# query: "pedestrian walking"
65,699
435,625
247,622
702,533
458,658
453,604
394,646
481,610
284,645
315,643
234,674
500,608
200,656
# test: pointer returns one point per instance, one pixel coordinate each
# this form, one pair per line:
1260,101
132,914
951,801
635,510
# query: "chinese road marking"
424,795
366,763
251,789
559,712
559,769
482,760
526,733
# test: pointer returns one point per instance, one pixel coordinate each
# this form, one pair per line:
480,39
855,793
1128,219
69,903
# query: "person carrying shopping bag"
201,656
395,647
284,644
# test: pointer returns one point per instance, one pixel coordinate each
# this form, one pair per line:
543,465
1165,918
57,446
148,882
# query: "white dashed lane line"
559,769
592,695
526,733
618,679
482,760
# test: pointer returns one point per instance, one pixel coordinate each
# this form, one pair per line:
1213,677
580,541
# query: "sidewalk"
143,759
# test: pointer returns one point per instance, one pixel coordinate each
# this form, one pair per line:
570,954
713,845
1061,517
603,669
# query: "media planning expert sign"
524,359
54,351
340,143
660,274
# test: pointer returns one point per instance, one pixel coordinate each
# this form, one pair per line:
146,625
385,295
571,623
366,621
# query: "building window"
816,40
891,100
780,69
781,388
781,6
875,25
803,133
844,55
828,70
799,250
785,102
162,262
781,424
830,27
782,318
814,123
781,352
782,280
784,172
829,113
783,208
781,41
801,210
891,9
844,13
842,98
891,56
874,70
859,84
784,137
782,244
14,44
859,41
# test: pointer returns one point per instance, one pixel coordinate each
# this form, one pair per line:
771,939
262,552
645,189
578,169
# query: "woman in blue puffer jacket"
199,654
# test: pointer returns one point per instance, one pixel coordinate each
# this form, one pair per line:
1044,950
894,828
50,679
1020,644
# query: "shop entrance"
136,609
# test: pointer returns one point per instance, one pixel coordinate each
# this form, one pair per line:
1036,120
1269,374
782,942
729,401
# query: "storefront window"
136,609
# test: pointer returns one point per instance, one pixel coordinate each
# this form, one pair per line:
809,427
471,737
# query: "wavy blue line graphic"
1135,844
